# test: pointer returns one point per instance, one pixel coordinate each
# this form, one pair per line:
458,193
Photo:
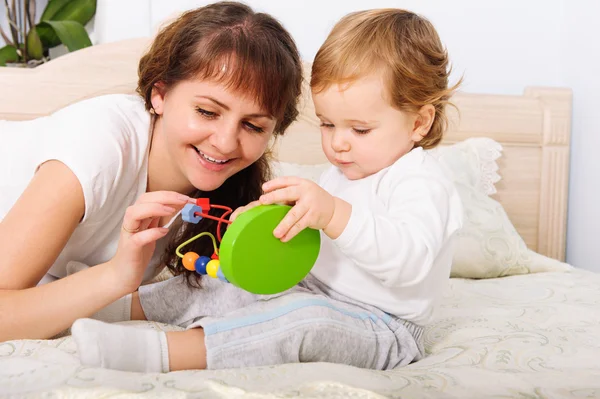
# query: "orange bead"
189,260
212,268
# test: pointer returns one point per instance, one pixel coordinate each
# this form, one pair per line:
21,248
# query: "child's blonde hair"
404,46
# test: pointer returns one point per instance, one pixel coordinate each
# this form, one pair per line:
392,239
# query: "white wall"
581,71
500,46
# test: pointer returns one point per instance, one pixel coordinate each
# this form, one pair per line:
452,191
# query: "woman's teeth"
213,160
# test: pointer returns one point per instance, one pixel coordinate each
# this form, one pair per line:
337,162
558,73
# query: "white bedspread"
531,336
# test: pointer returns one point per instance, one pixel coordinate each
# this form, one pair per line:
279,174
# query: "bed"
514,322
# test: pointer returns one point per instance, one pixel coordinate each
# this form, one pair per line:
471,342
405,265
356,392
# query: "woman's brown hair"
401,45
260,59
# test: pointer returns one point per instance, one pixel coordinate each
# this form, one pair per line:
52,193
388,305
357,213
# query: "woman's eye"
253,128
326,125
205,113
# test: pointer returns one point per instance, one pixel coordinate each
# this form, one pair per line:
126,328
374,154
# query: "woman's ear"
157,97
423,122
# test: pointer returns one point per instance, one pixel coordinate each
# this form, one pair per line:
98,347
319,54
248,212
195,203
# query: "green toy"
250,256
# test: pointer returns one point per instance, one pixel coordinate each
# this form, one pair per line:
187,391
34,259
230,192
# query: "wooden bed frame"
534,130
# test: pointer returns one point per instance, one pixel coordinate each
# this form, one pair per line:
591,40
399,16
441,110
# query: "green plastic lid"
253,259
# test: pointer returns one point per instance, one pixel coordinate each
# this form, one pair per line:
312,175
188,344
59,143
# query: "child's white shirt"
396,251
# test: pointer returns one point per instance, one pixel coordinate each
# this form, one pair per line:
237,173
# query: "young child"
387,213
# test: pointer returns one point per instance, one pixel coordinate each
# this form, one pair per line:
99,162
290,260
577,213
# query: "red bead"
214,256
189,260
204,203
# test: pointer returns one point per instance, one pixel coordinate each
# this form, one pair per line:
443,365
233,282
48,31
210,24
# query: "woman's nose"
225,138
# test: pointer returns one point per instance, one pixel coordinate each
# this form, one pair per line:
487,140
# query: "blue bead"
221,276
200,264
188,213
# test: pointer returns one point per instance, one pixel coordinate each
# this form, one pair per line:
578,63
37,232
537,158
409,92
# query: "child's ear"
157,97
423,122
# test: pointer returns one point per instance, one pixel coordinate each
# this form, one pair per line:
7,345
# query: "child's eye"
253,128
205,113
361,131
326,125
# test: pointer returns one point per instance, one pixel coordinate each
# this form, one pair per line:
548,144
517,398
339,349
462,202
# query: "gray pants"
308,323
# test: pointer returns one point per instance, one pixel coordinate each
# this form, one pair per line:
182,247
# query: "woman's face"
205,133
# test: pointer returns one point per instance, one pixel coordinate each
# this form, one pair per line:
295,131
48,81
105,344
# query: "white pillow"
488,245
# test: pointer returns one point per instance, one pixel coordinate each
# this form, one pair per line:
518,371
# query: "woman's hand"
312,206
140,231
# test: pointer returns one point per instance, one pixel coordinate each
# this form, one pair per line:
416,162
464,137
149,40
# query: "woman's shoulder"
106,118
108,107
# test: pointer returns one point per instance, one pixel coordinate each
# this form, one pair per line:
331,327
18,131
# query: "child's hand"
312,206
243,209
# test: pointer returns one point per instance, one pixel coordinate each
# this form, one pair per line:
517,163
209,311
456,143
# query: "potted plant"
62,22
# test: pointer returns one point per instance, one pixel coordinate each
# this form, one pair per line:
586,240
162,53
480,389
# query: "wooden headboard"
534,130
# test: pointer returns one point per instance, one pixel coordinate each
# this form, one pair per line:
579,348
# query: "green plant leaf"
81,11
72,34
47,35
35,49
52,8
8,53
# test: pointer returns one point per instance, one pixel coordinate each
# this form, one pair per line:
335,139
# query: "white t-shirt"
105,142
396,251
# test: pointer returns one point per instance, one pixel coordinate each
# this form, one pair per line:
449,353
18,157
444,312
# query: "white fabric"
105,142
472,162
528,336
120,348
396,251
488,245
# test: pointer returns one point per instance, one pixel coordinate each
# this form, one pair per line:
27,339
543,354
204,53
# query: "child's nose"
339,142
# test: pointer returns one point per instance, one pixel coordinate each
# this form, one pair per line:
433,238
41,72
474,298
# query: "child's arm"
397,246
399,240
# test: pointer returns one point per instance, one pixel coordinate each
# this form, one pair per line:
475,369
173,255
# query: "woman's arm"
32,235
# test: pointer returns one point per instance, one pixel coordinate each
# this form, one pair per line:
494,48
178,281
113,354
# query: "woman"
101,181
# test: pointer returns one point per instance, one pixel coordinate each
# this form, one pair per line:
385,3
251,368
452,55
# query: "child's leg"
138,349
174,302
137,312
186,350
310,326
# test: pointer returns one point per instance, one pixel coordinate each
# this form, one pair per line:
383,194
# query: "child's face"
361,133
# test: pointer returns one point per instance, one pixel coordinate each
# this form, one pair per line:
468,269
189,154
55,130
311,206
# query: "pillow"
488,245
